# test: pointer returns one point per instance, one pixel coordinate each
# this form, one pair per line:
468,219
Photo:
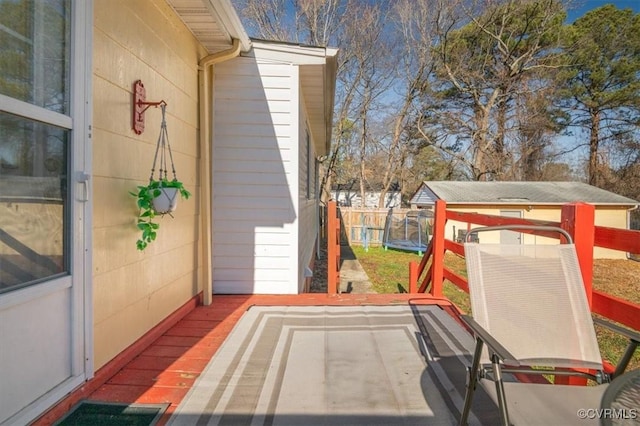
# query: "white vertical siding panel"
254,177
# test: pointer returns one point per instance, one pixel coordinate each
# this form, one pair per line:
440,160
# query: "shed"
528,200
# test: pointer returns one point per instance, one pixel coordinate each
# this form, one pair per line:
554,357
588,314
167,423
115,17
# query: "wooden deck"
163,365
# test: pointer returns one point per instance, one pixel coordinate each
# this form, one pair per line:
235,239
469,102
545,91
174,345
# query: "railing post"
413,277
437,267
333,248
578,219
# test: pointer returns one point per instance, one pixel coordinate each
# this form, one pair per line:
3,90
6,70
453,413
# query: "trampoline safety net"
411,233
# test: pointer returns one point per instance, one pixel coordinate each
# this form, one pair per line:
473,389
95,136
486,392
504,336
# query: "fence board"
355,219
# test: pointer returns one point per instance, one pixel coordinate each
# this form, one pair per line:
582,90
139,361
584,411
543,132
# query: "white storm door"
45,299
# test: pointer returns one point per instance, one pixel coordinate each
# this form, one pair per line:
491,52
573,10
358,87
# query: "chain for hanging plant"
163,147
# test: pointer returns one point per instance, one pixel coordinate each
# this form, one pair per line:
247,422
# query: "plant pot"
167,201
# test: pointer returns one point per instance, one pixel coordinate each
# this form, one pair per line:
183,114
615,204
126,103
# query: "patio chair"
531,316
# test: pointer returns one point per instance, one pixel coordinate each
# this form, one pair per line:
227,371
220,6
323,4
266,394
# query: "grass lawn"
388,271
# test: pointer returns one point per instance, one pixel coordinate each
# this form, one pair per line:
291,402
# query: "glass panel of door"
34,156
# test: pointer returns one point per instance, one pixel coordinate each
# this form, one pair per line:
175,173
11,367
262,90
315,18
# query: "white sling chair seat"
530,310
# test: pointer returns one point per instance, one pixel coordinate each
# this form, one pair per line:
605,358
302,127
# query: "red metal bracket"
140,106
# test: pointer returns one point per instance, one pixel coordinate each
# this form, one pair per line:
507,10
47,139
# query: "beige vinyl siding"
254,177
135,290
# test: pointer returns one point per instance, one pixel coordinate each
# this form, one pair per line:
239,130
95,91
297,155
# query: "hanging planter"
160,196
167,201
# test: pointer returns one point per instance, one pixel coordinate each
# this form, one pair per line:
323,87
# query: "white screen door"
44,204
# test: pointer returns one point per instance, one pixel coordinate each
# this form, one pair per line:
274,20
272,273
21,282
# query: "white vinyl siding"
307,210
255,182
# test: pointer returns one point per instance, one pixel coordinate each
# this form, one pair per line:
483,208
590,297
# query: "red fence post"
413,277
437,266
333,248
578,219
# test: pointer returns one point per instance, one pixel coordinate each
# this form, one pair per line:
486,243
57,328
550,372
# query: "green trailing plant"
145,195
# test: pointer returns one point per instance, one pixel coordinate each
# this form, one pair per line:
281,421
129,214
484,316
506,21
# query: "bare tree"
266,19
483,64
320,20
415,23
369,72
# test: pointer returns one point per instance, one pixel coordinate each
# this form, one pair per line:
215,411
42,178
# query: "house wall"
307,202
255,177
604,216
135,290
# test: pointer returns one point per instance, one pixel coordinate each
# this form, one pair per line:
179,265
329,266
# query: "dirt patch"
319,279
618,277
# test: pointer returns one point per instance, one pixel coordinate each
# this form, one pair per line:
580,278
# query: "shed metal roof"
490,193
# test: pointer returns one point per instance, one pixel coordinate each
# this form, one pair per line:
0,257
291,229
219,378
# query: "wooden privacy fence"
358,220
333,248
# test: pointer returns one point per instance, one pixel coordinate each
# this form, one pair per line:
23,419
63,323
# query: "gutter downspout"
205,95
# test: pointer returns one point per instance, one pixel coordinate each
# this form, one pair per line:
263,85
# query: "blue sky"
582,6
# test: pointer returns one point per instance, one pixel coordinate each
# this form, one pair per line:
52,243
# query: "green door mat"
96,413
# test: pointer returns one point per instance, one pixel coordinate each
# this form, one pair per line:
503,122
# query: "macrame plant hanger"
163,147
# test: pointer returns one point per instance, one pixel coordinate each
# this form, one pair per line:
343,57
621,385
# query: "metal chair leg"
502,401
472,382
626,357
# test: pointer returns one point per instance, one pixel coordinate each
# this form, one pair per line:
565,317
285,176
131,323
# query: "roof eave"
331,72
228,16
214,23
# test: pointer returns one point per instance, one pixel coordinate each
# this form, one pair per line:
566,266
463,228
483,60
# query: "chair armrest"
629,334
634,342
490,341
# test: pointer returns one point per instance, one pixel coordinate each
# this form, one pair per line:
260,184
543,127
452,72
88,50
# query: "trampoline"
411,233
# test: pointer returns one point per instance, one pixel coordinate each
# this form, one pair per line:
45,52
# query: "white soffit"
213,22
314,89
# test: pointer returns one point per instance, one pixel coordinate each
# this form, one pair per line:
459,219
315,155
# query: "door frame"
82,157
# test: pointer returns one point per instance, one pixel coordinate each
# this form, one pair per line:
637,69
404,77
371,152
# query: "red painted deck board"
165,371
